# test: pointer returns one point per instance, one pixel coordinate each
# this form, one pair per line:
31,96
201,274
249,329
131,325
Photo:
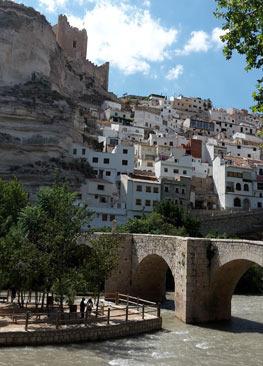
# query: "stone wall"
236,223
81,334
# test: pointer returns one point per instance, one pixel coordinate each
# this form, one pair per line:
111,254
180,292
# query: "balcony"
259,178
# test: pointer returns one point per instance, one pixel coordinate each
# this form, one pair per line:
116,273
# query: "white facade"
139,195
238,187
107,165
107,104
148,120
174,165
167,139
129,133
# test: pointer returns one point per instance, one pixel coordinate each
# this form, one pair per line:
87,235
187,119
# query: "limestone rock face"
44,97
27,44
37,127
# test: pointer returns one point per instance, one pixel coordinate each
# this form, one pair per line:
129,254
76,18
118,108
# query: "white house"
174,165
140,194
107,166
237,184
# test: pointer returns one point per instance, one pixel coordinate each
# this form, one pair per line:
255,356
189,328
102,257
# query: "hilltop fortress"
31,49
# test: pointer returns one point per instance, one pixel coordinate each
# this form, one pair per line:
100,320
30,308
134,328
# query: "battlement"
72,40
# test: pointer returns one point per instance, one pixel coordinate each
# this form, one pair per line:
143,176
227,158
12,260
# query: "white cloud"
199,41
175,72
125,35
147,3
52,5
216,33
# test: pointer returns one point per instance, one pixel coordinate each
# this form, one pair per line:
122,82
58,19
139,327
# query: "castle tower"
72,40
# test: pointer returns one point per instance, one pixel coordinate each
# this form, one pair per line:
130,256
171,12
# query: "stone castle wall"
72,40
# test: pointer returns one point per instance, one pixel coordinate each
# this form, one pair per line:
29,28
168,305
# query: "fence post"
108,318
137,303
86,318
117,298
158,310
127,300
143,312
126,314
27,318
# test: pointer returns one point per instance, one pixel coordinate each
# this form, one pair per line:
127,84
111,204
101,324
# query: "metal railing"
117,308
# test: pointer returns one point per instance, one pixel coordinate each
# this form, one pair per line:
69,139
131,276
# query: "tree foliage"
243,28
13,199
39,250
166,219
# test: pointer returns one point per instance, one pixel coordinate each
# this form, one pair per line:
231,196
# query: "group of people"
88,305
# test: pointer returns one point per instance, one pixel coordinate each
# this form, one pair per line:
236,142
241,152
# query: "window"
260,171
118,173
249,155
148,189
166,170
147,203
246,188
237,202
100,187
106,161
238,187
95,160
74,44
104,217
124,162
259,205
112,217
166,189
171,143
125,151
74,151
183,191
176,190
149,163
239,147
108,173
155,190
235,174
102,199
260,186
138,202
155,203
138,188
176,171
184,172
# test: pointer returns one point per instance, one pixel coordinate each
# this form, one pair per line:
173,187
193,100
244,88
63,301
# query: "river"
237,342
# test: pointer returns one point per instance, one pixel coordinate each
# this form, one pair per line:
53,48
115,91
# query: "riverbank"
31,328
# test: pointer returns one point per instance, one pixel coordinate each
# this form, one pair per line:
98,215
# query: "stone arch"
222,286
149,280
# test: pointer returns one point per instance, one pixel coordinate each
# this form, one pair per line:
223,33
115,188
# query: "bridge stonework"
205,271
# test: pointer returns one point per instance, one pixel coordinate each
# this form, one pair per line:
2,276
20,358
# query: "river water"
237,342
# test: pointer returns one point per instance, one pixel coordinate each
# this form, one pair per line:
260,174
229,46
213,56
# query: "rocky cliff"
43,101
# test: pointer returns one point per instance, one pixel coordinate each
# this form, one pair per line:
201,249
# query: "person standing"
82,307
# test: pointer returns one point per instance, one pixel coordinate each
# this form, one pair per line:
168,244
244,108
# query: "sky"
167,47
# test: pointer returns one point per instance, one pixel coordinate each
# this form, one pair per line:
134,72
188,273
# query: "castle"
54,54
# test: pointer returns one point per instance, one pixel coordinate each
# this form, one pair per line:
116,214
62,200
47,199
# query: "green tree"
178,217
13,199
244,33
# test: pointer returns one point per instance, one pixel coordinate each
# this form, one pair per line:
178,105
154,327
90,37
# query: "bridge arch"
223,283
149,279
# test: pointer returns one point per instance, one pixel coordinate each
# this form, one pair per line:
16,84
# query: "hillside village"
181,149
125,154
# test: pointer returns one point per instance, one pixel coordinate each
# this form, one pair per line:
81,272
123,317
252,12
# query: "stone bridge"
205,271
